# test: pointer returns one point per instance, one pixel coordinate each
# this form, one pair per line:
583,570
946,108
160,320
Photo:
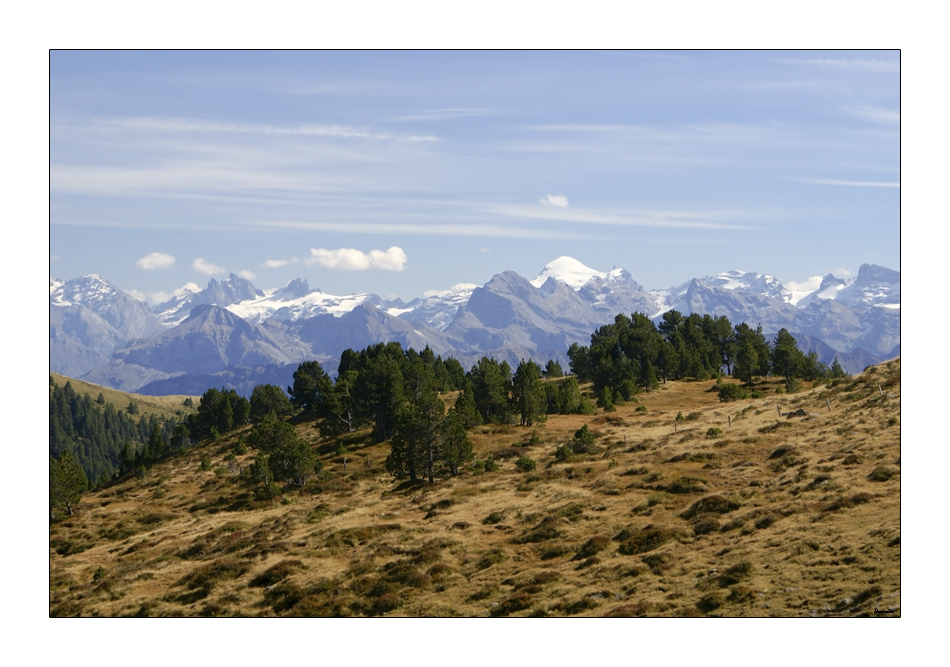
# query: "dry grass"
158,405
801,519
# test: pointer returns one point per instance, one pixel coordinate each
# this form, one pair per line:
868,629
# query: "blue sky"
404,172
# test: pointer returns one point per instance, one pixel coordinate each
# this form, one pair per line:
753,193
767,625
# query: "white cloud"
557,201
156,260
806,286
484,250
277,263
162,296
135,294
350,259
206,267
247,275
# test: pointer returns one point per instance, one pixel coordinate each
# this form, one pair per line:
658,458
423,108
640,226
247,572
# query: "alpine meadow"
477,334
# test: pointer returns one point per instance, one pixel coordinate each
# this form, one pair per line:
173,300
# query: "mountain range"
236,335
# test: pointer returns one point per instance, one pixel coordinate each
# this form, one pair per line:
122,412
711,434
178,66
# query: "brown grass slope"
777,516
148,405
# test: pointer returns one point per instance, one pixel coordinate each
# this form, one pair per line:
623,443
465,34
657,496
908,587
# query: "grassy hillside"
158,405
774,516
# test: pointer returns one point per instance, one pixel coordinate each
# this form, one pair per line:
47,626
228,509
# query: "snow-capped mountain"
99,331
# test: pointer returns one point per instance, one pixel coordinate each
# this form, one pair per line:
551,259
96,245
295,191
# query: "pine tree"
67,483
528,394
456,447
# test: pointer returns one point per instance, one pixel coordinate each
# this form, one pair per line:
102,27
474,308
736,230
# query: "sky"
405,173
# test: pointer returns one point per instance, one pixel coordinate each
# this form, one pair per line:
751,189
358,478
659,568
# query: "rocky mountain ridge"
102,334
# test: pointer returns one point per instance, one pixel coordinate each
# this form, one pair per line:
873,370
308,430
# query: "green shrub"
490,465
563,453
641,408
714,432
732,392
583,440
205,463
526,464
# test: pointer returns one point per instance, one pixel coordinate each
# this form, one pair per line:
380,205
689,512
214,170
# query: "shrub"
490,558
583,440
275,574
714,432
645,540
526,464
882,474
732,392
735,574
592,546
490,465
688,485
710,505
710,602
563,453
705,523
205,463
641,408
493,518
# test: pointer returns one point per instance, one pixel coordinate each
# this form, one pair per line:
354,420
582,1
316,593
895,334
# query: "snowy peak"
568,271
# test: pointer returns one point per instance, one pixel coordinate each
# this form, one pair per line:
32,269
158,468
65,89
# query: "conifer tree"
67,483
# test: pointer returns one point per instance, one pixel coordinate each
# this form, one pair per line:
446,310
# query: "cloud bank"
206,267
350,259
156,260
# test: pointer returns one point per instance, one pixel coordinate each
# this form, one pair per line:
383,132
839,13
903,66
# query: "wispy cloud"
350,259
556,201
203,266
856,184
152,123
247,275
446,114
668,219
156,260
876,114
848,65
444,229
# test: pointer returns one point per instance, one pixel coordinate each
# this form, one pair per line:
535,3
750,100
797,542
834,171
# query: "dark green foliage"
527,394
219,411
268,399
102,439
456,447
553,369
732,392
67,483
491,384
526,464
583,440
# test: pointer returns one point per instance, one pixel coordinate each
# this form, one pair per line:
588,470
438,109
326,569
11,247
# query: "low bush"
592,546
714,432
710,505
645,540
526,464
732,392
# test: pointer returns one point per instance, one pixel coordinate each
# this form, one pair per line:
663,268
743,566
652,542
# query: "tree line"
104,440
633,354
